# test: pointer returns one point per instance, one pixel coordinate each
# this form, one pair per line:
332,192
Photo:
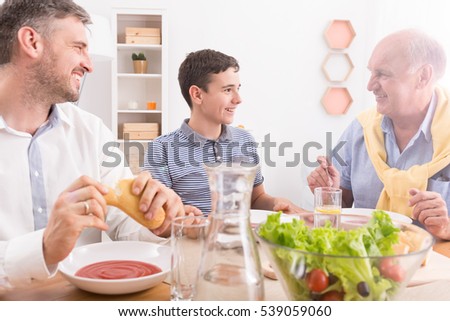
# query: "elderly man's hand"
325,175
430,210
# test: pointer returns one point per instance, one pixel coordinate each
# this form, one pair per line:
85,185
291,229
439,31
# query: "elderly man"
396,156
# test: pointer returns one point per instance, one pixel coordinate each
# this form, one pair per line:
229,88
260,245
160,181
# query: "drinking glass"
327,206
187,240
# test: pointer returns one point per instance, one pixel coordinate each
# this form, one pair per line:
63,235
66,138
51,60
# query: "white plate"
260,216
368,211
155,254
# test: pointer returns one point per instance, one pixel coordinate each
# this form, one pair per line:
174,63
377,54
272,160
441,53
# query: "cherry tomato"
396,273
317,280
332,296
385,265
392,270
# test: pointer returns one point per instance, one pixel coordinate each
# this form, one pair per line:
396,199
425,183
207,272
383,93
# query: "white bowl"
155,254
368,211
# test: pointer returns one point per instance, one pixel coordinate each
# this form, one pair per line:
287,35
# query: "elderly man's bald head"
415,49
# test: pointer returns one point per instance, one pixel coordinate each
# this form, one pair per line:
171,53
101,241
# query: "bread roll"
411,242
123,198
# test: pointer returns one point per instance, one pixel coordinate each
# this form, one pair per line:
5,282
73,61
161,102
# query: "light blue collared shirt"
359,175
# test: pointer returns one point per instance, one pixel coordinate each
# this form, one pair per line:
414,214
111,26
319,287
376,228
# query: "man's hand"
325,175
154,196
430,210
81,205
286,206
192,210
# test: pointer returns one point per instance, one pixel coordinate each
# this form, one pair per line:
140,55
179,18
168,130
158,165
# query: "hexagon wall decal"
337,100
337,66
339,34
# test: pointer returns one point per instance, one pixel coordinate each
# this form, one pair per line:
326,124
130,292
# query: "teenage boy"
209,82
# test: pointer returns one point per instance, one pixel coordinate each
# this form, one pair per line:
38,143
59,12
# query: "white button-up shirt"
76,143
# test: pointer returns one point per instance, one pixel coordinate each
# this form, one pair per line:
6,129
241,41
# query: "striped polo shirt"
176,159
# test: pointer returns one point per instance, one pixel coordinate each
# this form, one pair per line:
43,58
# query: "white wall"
281,47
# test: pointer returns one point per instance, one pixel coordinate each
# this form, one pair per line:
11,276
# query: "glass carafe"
230,268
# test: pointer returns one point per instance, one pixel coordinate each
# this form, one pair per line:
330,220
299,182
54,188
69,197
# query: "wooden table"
59,289
442,248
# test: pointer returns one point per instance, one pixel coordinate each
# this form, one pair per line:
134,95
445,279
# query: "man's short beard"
49,83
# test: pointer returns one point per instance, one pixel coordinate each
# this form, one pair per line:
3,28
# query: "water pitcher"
230,268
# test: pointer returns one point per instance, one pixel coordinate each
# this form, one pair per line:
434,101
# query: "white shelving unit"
128,86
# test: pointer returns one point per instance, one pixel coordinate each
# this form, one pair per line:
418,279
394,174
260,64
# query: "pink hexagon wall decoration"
337,100
339,34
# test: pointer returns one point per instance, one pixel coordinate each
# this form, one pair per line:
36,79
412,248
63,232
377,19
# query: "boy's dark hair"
197,68
37,14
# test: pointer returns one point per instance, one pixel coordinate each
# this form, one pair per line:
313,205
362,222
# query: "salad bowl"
369,258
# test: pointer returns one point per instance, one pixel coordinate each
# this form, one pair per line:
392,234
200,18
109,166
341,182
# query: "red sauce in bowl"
117,269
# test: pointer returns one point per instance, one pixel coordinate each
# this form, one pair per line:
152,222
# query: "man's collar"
425,127
426,124
193,136
60,115
54,117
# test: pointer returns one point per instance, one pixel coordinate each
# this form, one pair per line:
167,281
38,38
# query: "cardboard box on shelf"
146,36
134,155
143,40
140,130
143,32
140,135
